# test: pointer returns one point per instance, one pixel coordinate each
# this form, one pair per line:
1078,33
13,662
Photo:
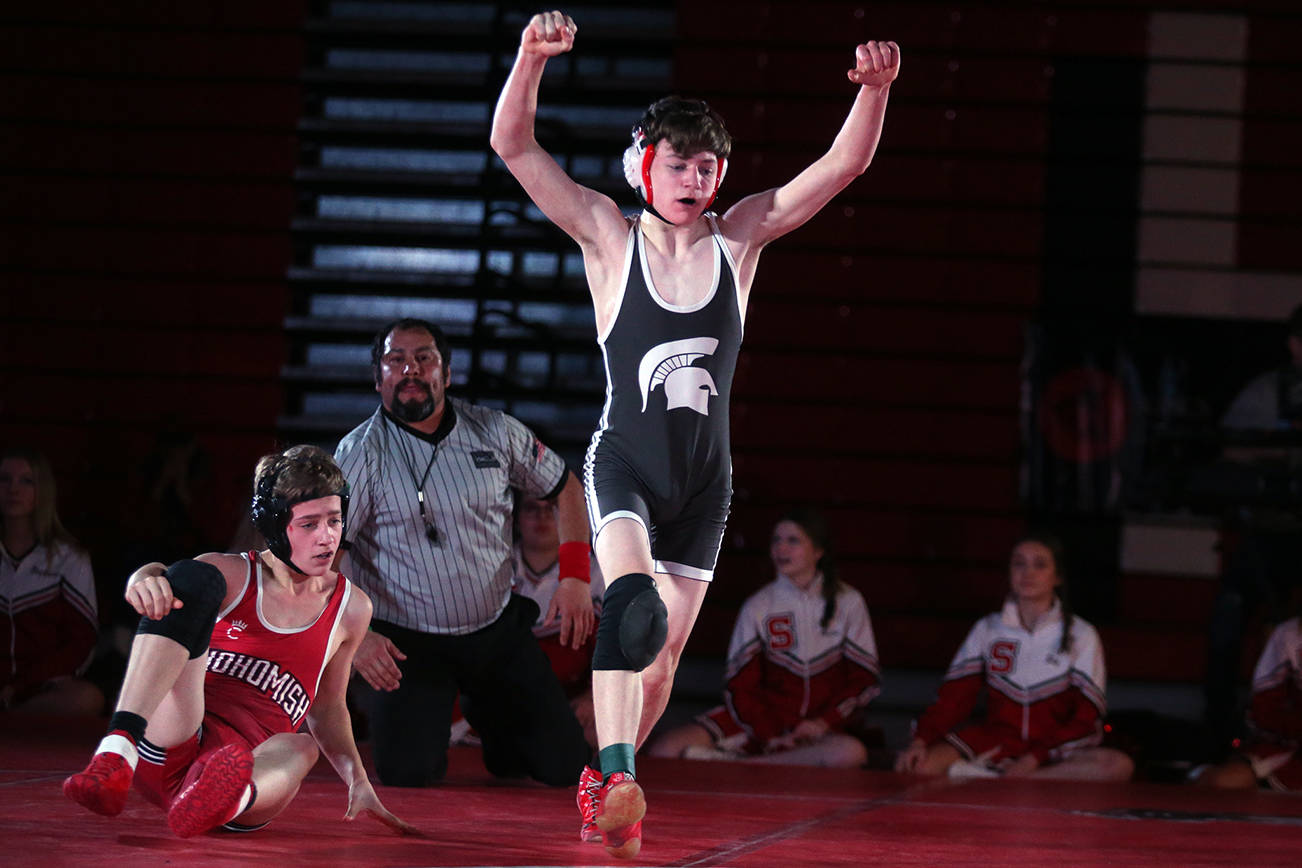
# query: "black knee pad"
201,587
634,624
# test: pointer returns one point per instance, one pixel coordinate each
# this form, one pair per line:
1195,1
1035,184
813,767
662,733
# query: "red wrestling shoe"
212,790
104,784
619,815
588,798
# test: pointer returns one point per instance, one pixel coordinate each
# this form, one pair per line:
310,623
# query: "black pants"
509,694
1261,583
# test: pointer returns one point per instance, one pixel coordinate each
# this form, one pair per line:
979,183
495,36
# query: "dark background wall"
879,377
885,373
146,152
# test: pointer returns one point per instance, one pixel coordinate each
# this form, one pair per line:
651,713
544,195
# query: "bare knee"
305,748
845,751
84,698
1117,766
293,752
1103,764
1091,764
676,741
69,697
938,759
1232,775
280,764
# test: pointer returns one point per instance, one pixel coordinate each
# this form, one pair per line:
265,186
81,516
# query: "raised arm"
585,215
762,217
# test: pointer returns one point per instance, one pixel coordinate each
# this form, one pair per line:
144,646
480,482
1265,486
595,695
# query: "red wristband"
574,561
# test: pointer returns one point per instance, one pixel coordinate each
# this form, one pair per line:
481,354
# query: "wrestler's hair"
689,125
814,524
46,525
408,324
301,473
1053,543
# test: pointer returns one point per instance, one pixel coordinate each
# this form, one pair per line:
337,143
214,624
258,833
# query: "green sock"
616,758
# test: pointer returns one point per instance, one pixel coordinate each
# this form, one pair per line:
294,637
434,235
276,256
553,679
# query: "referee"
428,537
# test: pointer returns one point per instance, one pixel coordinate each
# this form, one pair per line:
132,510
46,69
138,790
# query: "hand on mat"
572,603
875,64
363,800
377,659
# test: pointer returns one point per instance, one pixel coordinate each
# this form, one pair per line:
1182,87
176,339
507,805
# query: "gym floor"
700,813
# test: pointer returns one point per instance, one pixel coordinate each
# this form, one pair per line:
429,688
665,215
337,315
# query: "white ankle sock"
120,745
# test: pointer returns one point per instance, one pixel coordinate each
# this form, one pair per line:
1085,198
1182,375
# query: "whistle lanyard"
408,456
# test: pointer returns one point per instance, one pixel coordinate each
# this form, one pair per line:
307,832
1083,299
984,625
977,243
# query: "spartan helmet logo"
670,365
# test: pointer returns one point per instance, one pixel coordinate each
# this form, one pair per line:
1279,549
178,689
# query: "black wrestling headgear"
271,513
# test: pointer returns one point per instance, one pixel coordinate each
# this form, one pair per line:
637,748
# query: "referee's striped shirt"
478,455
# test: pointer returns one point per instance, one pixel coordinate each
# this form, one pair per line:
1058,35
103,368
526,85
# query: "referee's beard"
414,411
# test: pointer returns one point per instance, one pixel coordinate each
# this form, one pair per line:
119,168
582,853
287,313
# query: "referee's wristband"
574,561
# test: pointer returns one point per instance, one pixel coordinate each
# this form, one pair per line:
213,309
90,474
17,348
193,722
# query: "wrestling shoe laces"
588,797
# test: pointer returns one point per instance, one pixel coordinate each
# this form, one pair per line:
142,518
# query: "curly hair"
814,524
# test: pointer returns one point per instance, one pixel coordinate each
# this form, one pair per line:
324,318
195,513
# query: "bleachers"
403,211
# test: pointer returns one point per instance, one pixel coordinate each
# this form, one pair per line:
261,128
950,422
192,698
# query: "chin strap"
650,209
637,172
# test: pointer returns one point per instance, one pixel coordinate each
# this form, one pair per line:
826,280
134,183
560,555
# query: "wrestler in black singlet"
661,454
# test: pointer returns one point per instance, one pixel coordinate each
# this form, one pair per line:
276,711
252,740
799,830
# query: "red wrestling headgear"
637,169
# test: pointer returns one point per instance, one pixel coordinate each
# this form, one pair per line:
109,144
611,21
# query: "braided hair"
1051,542
813,523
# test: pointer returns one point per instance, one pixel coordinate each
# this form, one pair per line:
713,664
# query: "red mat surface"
700,814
